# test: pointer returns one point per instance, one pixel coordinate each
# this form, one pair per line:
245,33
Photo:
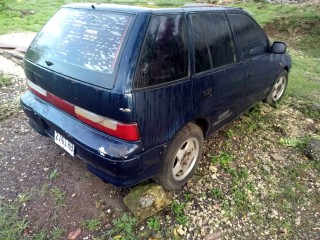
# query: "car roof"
136,9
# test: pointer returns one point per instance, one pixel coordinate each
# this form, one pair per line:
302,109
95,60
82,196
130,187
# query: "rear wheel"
277,91
181,158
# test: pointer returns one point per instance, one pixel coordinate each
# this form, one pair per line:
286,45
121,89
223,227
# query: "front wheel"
278,89
181,158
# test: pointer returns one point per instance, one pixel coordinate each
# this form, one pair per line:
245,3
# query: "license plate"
64,143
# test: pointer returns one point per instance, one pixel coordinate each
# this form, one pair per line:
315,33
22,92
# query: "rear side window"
250,38
164,54
82,43
219,38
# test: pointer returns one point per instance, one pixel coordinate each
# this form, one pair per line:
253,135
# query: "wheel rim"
185,159
278,89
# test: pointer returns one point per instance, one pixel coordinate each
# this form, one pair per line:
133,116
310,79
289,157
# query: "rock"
277,157
213,169
181,232
313,150
266,168
213,236
266,108
145,201
74,234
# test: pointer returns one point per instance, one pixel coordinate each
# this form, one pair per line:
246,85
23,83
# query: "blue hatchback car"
134,91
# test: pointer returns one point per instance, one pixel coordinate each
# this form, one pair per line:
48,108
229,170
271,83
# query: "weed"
123,228
57,195
4,80
291,142
178,209
229,133
217,193
187,196
153,223
54,174
44,190
223,159
11,224
23,198
42,235
93,224
57,233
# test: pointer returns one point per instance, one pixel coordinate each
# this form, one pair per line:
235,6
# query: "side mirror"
278,47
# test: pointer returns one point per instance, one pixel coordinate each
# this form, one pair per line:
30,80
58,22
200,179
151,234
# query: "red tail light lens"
114,128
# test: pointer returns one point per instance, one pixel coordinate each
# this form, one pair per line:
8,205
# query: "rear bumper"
122,163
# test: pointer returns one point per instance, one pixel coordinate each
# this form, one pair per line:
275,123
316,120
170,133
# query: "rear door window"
202,58
164,54
219,38
82,43
250,38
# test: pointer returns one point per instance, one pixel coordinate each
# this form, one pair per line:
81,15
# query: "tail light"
114,128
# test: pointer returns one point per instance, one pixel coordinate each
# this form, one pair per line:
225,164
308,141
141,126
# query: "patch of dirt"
61,190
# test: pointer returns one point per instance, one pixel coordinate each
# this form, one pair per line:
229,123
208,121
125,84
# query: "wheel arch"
203,123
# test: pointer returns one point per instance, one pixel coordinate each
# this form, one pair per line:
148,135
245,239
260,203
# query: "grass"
178,210
93,224
12,225
30,15
5,80
123,228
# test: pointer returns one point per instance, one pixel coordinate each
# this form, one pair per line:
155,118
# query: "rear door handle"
250,75
207,93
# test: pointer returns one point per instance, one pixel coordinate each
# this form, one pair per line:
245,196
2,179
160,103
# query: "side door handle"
207,93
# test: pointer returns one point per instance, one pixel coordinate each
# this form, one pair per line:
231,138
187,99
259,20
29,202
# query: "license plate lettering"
64,143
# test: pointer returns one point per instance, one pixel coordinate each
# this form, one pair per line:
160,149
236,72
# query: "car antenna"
93,7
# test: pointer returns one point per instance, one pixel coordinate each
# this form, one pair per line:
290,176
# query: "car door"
217,76
162,86
253,51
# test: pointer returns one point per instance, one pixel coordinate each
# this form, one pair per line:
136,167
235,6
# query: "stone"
213,169
144,201
313,150
266,168
277,157
181,232
213,236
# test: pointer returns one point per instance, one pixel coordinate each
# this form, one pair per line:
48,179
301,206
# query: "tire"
278,89
181,158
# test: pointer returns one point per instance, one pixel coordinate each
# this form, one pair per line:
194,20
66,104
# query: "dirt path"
62,191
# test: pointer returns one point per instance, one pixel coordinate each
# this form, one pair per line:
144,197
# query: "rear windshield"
82,43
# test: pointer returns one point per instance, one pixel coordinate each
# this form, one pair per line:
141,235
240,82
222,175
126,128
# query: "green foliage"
4,80
57,233
153,223
123,228
57,195
93,224
187,196
11,224
54,174
291,142
23,197
223,160
217,193
229,133
178,210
